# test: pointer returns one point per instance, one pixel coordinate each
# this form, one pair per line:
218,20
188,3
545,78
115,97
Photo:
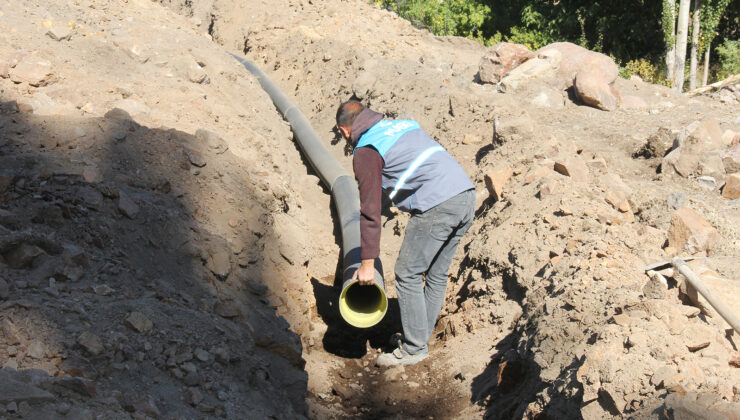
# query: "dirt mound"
167,253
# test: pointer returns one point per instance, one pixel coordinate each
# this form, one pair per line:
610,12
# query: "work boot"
396,340
399,356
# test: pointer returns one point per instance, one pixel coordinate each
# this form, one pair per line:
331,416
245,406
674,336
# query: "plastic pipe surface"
360,306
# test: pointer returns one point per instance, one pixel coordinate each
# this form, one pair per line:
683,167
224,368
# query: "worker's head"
346,115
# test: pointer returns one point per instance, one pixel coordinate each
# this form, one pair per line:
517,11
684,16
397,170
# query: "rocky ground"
167,253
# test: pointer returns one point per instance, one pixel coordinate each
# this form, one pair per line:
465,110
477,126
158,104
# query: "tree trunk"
695,28
669,30
682,32
705,76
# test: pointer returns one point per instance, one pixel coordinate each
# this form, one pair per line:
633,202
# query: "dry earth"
167,253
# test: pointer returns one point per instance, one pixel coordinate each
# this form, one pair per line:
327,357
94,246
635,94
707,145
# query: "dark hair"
348,111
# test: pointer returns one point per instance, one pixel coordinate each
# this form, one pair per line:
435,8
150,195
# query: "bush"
533,39
729,59
643,68
442,17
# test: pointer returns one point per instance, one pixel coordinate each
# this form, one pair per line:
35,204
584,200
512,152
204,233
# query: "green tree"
442,17
712,14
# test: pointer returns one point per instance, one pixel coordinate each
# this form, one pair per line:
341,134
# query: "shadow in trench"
103,217
509,382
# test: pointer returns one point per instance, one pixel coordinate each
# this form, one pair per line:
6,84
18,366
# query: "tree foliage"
729,57
442,17
712,13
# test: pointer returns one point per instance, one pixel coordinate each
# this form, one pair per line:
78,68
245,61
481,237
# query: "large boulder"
542,67
500,59
565,65
690,146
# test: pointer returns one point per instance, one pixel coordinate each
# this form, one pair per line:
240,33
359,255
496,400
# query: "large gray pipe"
360,306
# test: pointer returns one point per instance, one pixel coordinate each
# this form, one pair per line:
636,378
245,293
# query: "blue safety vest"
384,134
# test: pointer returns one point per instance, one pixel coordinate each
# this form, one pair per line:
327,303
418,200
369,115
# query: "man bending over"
421,178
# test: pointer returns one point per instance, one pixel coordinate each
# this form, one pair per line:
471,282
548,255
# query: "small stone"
189,367
495,182
537,173
574,167
676,200
212,140
226,309
92,174
127,206
731,160
690,232
139,322
618,200
191,379
662,376
711,165
690,145
470,139
103,290
22,256
91,342
342,391
394,373
549,188
655,288
197,74
598,163
193,396
731,189
141,404
132,107
59,33
698,346
63,408
79,385
202,355
10,331
735,360
195,158
233,223
36,350
32,70
219,262
707,182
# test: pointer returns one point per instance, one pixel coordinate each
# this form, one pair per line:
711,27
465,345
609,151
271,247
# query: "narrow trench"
358,387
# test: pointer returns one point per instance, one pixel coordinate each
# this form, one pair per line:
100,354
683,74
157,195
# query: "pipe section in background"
360,306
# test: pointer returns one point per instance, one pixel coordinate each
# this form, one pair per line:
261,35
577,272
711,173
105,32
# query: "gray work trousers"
429,244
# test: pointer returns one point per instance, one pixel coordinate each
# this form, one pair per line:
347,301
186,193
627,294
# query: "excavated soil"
168,253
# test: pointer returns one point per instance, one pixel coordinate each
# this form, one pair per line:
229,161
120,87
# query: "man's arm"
368,167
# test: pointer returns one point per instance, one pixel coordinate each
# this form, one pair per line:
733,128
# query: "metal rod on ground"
700,287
